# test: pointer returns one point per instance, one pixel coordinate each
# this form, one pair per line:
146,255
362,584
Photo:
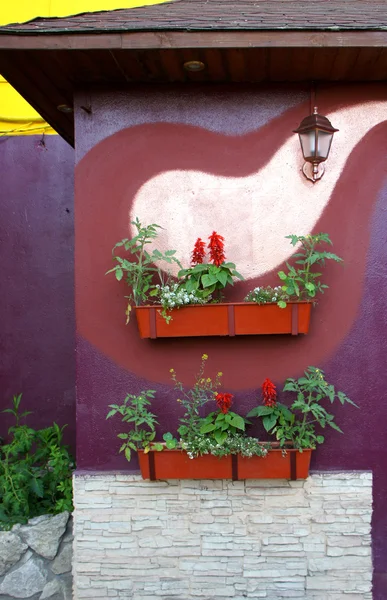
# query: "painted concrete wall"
226,159
37,326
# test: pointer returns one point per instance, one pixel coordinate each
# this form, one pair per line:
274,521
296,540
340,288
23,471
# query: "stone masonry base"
205,540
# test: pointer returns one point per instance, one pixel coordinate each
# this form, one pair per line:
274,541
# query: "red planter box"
176,464
243,318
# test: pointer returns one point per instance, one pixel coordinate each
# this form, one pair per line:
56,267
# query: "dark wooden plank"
257,64
279,64
130,65
299,65
322,63
343,64
365,67
236,64
197,39
380,66
150,62
172,65
214,59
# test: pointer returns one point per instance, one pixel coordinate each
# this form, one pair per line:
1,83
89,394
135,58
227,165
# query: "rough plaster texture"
187,540
35,559
37,320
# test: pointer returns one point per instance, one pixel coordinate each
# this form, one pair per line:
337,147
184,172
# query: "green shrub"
35,471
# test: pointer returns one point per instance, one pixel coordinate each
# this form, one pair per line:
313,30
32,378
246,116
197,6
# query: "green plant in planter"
134,411
35,471
222,423
140,268
202,391
207,279
296,424
301,281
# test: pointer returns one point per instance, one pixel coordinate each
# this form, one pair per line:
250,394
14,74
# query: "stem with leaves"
301,282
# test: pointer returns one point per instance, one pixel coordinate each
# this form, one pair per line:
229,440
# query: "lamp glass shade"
315,145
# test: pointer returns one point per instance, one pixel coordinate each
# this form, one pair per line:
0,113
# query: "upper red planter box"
241,318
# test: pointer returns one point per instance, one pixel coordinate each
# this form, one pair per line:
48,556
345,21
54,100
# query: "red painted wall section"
37,324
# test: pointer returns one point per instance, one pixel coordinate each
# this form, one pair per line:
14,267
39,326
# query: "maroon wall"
37,328
349,326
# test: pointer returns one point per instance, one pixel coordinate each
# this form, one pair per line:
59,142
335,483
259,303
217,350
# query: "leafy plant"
135,411
301,281
297,424
141,268
222,423
271,412
35,471
202,391
205,279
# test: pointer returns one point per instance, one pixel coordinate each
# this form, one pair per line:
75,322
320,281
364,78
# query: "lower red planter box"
176,464
243,318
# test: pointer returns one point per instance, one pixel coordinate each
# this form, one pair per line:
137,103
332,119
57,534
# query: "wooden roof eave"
194,39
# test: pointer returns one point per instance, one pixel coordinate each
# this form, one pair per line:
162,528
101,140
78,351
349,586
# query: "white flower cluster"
173,296
262,295
236,444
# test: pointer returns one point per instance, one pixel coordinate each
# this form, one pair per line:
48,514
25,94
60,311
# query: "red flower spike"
269,393
216,247
198,252
224,402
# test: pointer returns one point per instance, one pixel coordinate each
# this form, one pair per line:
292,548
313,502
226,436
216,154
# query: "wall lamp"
316,134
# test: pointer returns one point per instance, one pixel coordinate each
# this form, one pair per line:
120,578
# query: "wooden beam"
194,39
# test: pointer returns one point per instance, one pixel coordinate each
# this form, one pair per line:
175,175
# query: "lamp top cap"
315,121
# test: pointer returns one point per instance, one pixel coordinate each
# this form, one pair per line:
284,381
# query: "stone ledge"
204,539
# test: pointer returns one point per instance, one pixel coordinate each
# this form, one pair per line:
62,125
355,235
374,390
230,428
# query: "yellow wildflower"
205,356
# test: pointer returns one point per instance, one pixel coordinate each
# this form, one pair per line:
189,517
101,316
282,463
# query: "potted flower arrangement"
192,304
216,445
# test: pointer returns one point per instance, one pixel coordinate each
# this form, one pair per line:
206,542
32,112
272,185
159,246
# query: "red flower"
269,393
224,402
216,247
198,252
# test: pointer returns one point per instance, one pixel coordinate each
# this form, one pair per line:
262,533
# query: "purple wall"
37,325
353,356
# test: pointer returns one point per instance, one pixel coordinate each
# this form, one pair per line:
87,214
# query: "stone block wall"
35,559
203,540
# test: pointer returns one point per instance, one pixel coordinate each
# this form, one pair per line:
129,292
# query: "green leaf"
128,454
282,275
207,427
171,444
119,274
208,280
281,304
222,278
111,413
220,436
269,422
167,436
123,436
37,487
334,426
158,447
238,422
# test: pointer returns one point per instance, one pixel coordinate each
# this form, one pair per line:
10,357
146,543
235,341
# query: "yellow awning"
21,11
